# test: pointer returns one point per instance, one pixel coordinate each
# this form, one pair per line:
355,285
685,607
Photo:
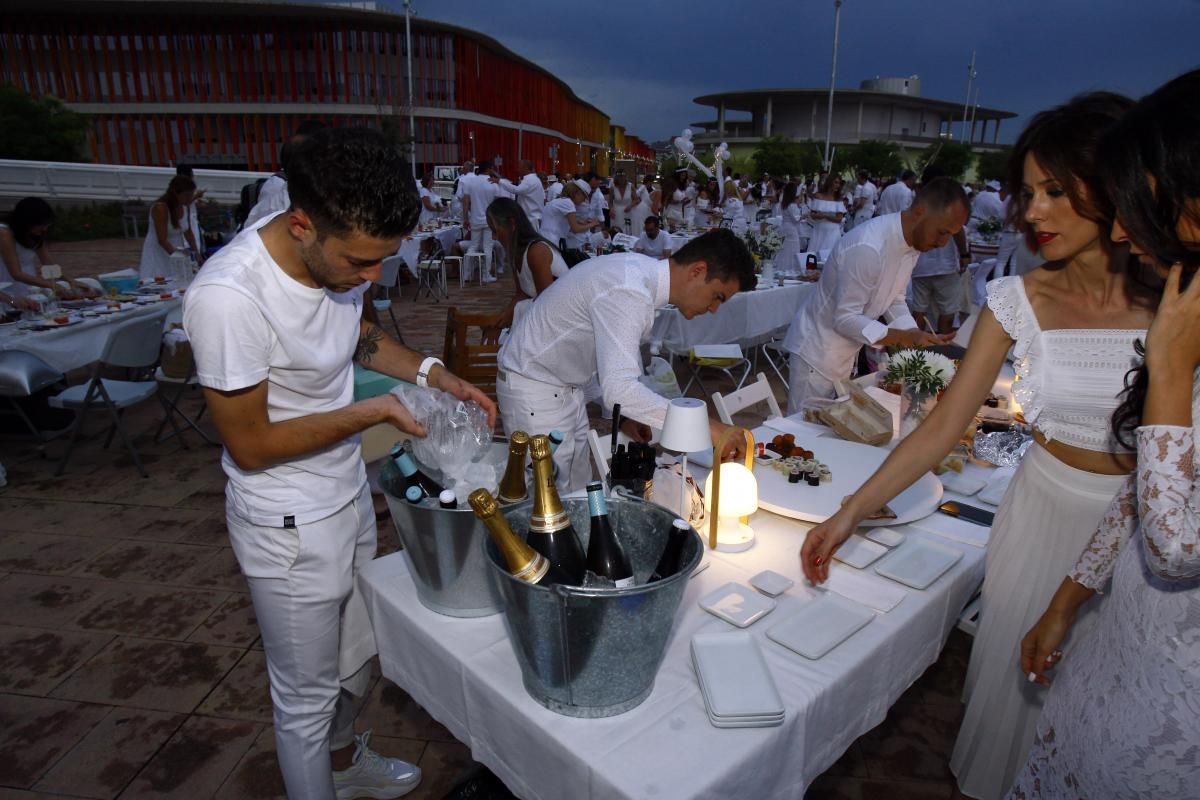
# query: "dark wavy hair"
1064,141
180,184
504,211
1150,165
352,180
790,191
27,214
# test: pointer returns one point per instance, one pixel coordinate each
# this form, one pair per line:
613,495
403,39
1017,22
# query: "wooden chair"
465,353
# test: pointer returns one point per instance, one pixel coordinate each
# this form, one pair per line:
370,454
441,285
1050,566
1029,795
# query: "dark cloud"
643,61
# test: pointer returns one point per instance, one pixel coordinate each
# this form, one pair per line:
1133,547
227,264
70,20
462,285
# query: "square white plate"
997,486
961,484
734,675
888,537
771,582
857,552
737,604
751,719
717,723
919,563
820,625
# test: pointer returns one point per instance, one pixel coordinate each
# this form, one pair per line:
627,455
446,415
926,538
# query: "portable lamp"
729,514
685,430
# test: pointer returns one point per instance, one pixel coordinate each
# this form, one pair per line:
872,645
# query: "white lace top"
1069,379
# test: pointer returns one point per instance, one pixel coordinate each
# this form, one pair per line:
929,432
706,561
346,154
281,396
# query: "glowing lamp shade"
737,499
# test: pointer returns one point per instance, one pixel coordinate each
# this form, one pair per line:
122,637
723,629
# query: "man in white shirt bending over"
653,242
275,324
531,197
864,198
865,278
590,323
898,196
479,194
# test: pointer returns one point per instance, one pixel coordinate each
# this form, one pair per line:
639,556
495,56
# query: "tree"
880,159
993,165
39,129
952,158
780,155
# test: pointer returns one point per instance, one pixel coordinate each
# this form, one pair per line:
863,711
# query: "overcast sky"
642,61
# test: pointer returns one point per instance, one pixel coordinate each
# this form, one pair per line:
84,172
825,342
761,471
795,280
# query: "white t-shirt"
554,219
656,247
272,198
426,214
249,322
867,192
482,192
896,197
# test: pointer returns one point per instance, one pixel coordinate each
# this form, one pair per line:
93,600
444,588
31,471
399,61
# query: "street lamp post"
471,136
971,75
837,17
412,124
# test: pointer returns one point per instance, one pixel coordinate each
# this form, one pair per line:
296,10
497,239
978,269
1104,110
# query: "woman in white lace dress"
1123,717
1071,327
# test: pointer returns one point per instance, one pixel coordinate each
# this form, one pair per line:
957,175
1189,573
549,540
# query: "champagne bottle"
523,561
605,556
413,476
512,485
668,562
447,500
550,530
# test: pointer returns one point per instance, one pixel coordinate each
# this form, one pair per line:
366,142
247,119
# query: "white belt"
516,379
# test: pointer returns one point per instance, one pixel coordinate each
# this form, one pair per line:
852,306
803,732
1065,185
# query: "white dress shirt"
590,323
896,197
482,192
865,278
530,195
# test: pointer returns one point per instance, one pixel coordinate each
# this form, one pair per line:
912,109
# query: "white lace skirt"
1044,522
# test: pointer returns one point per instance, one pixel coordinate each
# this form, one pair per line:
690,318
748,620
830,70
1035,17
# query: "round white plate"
851,464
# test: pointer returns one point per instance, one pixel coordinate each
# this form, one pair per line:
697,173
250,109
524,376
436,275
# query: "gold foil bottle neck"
523,561
548,514
512,486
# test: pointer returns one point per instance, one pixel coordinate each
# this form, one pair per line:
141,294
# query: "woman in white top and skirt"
24,250
791,226
169,229
1071,327
641,206
827,210
431,204
624,197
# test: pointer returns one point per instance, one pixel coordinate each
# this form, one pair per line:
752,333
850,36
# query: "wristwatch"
423,371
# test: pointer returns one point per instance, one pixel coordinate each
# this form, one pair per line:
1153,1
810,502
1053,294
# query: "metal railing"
67,181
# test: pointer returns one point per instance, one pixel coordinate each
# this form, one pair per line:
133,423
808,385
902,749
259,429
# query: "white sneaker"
372,775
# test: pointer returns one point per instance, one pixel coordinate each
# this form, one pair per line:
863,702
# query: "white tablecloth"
78,345
464,673
410,249
746,319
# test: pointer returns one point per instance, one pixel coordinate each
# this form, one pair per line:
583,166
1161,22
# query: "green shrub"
83,222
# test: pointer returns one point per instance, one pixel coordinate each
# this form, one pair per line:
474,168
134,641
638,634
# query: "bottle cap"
681,524
520,438
556,437
539,446
595,486
482,502
447,497
413,494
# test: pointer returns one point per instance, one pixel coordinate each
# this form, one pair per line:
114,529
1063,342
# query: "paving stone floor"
130,663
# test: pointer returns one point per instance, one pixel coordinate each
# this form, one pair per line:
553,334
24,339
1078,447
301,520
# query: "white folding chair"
172,402
473,263
431,275
738,361
757,392
388,278
133,345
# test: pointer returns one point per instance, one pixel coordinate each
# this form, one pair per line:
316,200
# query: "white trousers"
315,632
804,383
481,242
535,407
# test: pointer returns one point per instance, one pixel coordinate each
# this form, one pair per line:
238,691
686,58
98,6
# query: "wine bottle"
668,562
556,438
512,485
414,495
550,530
447,500
605,556
523,561
413,476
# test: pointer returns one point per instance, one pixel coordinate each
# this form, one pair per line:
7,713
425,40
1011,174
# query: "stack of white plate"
738,689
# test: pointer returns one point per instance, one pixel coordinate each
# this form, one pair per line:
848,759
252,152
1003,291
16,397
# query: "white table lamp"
685,430
737,500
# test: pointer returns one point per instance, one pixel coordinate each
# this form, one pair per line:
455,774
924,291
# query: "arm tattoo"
368,345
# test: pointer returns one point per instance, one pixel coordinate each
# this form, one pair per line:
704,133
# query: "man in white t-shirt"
898,196
554,187
531,197
864,198
653,242
987,204
478,195
275,324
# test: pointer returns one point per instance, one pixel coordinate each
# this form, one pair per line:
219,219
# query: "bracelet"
423,370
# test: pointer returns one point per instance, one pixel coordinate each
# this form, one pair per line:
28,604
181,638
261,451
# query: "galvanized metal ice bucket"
595,652
444,549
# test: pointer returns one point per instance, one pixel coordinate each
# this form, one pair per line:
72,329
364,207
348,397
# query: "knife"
969,513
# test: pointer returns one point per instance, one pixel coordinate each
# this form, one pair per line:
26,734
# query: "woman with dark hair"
827,212
431,205
1121,718
170,230
641,206
793,224
23,250
534,261
1071,326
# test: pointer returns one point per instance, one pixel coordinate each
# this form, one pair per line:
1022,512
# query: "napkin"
860,587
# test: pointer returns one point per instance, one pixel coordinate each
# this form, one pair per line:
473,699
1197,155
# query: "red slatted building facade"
223,84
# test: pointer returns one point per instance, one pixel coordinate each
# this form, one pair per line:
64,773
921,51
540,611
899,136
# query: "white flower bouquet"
925,371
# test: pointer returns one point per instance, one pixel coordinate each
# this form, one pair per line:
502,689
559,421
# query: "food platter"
850,464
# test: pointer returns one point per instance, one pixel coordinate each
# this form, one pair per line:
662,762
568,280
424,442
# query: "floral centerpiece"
989,229
922,375
763,243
